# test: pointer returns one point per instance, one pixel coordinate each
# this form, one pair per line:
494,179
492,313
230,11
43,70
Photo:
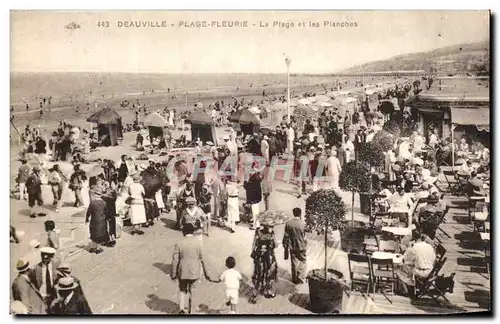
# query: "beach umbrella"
272,217
254,110
198,104
386,107
243,116
324,104
305,101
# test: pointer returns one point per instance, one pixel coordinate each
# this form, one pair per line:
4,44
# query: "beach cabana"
109,125
249,123
202,126
155,124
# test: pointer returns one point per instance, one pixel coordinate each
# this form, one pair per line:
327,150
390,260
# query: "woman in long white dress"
137,212
233,206
159,201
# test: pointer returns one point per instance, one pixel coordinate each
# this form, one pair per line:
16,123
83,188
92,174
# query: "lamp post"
288,61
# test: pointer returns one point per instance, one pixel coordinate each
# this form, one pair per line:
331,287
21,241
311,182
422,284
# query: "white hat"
266,137
142,167
34,243
209,143
48,250
226,137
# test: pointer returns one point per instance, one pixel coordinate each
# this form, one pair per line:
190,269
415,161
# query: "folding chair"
442,219
428,284
383,275
360,272
371,241
440,252
452,181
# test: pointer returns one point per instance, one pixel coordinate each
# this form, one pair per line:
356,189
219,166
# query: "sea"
30,86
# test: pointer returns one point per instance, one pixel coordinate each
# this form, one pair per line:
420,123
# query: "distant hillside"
457,59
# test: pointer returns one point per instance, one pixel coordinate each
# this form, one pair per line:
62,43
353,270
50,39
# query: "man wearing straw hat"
68,302
64,271
24,291
44,274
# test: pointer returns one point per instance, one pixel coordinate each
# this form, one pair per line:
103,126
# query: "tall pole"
452,148
186,100
288,61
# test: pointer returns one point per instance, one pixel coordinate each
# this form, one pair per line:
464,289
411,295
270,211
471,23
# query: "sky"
45,41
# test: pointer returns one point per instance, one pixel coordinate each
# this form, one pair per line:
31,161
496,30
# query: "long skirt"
159,199
233,210
137,214
265,271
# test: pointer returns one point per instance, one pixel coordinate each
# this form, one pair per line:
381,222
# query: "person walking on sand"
295,245
186,260
22,177
34,189
231,279
137,210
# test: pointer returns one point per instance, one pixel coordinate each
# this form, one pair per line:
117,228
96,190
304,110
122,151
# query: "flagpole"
288,61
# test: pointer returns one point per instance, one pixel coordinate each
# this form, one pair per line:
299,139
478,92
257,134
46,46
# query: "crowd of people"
139,193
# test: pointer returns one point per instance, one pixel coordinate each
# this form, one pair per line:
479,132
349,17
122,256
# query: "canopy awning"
479,117
155,120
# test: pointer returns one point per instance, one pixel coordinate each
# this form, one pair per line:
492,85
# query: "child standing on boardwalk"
231,279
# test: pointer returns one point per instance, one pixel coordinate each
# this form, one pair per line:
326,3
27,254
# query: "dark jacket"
77,305
34,184
253,189
295,236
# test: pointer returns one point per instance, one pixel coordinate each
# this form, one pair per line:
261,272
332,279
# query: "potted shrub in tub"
325,213
355,177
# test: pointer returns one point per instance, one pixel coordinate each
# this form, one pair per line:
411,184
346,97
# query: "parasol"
199,117
272,218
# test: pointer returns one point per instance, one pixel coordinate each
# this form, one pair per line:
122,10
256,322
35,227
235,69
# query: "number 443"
104,24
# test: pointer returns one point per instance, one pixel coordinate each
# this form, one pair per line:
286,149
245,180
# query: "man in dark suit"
69,302
44,274
23,290
295,243
359,141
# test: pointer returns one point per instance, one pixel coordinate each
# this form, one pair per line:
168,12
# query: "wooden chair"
360,272
384,276
427,285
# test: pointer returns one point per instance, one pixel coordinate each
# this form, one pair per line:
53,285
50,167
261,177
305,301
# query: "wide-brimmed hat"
48,250
209,143
64,266
66,283
36,168
22,265
136,177
266,137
